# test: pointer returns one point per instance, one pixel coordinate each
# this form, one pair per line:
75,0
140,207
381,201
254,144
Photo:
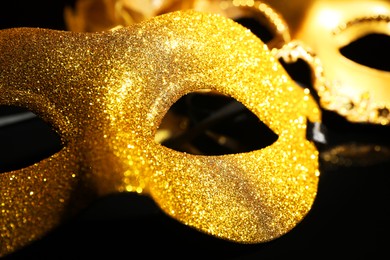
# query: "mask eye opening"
370,50
212,124
25,139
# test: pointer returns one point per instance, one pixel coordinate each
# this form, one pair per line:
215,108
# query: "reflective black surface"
349,219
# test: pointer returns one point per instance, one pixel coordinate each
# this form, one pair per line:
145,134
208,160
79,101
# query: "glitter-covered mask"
105,93
350,40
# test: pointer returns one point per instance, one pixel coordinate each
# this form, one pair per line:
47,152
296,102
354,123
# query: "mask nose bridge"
116,162
112,144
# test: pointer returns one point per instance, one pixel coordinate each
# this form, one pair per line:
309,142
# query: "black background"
349,219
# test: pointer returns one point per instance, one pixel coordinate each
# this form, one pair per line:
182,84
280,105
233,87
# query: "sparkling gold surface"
106,94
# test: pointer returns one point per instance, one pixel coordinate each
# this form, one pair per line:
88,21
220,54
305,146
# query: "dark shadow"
214,124
25,139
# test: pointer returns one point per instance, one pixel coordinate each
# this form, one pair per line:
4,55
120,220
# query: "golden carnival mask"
105,93
349,40
321,32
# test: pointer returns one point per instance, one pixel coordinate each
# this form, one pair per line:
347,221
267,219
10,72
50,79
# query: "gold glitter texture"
106,93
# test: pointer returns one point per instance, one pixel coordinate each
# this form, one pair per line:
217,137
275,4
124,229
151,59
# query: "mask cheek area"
249,198
37,199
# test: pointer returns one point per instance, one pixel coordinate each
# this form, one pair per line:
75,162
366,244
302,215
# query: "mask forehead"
106,94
